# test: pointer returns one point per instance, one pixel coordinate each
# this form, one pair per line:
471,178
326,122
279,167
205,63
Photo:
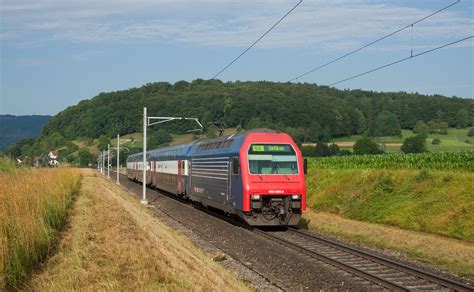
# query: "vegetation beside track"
438,202
33,208
115,243
456,161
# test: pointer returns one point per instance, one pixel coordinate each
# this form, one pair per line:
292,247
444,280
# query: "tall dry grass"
33,208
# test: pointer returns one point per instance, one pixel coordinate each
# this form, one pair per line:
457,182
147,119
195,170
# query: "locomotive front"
274,190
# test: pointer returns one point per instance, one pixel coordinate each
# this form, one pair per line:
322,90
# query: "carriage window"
272,159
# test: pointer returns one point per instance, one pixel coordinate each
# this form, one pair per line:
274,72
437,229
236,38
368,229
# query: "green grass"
7,164
439,202
454,141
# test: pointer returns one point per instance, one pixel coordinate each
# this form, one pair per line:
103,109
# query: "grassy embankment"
115,243
427,214
33,208
454,141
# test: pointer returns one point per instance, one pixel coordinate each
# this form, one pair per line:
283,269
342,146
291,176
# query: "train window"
272,159
235,165
183,172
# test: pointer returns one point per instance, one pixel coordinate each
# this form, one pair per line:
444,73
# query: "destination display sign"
262,148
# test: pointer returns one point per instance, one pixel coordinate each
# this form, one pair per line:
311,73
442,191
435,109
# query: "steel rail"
425,275
339,264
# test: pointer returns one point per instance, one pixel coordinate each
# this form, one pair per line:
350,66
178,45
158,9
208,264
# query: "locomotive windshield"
272,159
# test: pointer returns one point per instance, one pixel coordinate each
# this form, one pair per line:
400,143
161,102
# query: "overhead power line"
401,60
254,43
374,42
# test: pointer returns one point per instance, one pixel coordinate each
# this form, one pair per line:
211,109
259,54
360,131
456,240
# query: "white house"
53,158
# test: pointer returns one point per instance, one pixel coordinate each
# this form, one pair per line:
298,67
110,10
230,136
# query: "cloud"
329,25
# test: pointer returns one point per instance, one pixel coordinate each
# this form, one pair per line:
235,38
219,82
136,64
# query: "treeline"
15,128
315,111
310,113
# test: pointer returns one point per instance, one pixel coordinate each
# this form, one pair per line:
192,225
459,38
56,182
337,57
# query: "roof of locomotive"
223,145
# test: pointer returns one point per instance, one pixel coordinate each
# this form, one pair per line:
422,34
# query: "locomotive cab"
273,180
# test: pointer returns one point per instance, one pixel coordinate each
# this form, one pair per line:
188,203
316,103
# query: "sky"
55,53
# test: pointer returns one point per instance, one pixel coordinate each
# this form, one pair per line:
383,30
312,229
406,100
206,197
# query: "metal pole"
108,160
118,158
102,162
145,124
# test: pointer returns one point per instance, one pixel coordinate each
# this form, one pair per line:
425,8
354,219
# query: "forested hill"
15,128
313,111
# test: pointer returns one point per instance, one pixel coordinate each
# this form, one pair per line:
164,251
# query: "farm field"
454,141
456,161
141,253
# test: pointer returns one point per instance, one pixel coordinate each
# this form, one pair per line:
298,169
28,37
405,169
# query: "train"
257,175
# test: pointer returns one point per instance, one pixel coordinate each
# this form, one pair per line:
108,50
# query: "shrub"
365,145
334,149
436,141
470,133
322,150
415,144
421,128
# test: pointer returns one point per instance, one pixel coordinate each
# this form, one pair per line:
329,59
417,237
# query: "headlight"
295,197
255,197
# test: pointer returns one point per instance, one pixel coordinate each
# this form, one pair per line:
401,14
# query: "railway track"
382,271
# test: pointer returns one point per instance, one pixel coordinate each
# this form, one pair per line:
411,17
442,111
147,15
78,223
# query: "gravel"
263,264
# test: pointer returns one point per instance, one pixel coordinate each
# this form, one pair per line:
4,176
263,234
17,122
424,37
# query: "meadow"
34,205
433,201
454,141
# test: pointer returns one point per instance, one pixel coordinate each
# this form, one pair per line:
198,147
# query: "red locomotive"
256,175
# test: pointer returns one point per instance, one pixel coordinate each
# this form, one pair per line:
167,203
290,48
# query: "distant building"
53,158
36,161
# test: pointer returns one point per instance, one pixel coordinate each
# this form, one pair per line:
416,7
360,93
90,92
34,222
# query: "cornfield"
457,161
33,208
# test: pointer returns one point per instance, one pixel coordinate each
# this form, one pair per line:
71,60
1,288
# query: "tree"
85,157
361,123
438,127
322,150
421,128
158,138
365,145
436,141
104,141
334,149
470,133
414,144
386,124
462,119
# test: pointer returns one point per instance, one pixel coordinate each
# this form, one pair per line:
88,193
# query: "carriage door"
234,172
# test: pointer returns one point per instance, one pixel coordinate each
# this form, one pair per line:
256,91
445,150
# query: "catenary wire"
373,42
254,43
401,60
